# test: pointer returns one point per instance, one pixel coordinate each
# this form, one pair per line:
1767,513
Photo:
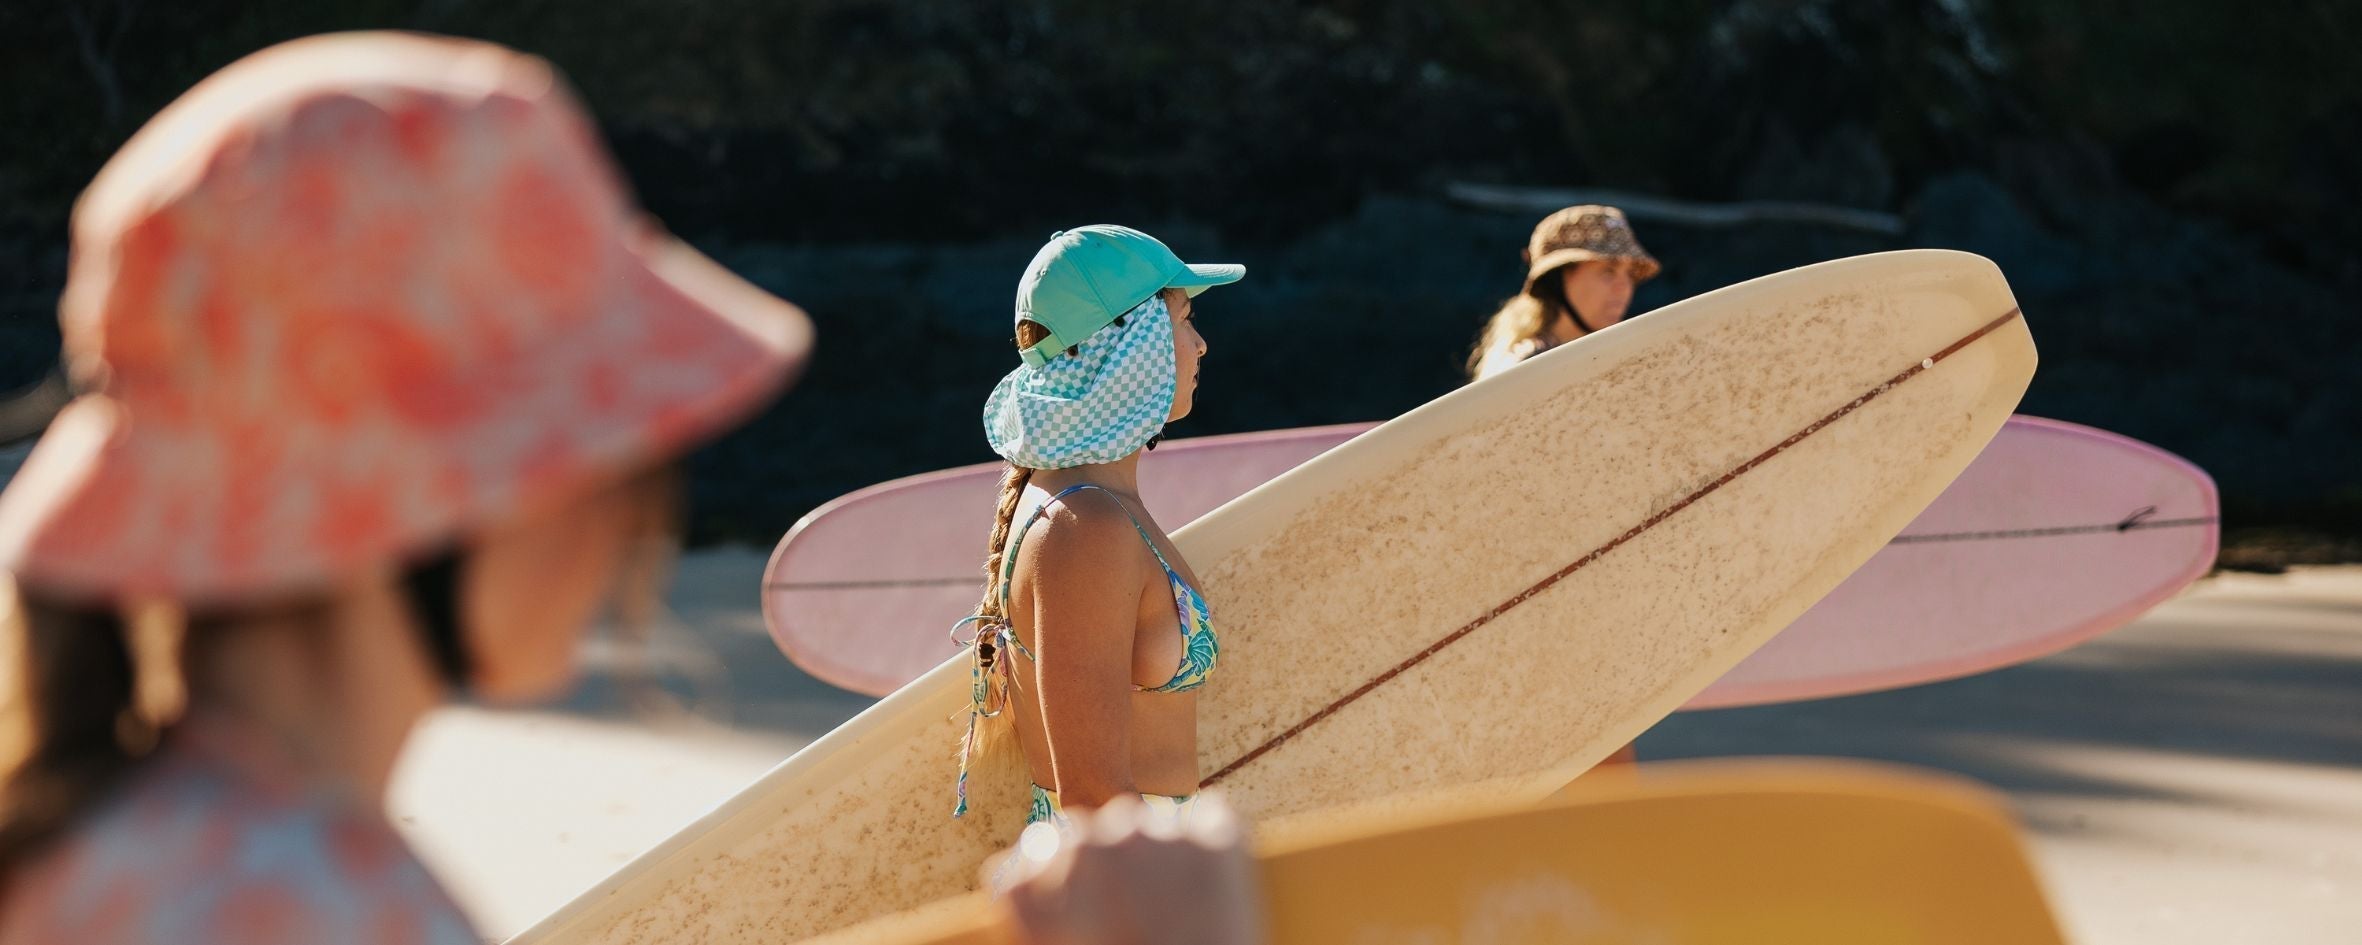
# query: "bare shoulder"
1086,530
1080,569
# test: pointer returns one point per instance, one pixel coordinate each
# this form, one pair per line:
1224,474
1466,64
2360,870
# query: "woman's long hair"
1520,321
991,730
93,693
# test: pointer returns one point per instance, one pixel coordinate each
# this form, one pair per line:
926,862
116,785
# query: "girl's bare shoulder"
1088,530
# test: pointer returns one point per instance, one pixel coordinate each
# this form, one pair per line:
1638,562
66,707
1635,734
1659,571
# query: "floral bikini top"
1199,651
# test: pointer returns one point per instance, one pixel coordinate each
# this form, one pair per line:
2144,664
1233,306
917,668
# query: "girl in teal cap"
1092,636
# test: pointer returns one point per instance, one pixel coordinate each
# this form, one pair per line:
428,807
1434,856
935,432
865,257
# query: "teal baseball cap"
1086,277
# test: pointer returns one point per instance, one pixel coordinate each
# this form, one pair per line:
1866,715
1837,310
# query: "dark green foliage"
2171,186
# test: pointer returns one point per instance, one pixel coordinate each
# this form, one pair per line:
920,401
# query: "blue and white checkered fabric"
1097,405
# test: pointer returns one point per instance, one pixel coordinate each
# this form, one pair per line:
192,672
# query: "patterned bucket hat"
351,297
1579,234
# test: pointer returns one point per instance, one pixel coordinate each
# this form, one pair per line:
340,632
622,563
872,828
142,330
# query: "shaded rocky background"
2172,188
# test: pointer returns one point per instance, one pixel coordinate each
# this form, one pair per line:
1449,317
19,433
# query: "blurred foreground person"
384,376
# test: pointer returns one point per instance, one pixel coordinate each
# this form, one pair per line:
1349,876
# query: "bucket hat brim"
114,507
1644,266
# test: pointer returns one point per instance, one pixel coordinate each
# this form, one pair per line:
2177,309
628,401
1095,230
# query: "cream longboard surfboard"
1684,853
1402,623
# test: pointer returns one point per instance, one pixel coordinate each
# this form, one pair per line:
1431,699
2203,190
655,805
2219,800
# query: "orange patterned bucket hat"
1579,234
355,296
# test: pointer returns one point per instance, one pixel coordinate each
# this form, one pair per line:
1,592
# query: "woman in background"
1582,265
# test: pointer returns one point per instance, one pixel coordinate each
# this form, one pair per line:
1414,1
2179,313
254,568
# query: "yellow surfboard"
1400,621
1683,853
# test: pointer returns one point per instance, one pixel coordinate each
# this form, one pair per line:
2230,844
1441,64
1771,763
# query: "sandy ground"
2193,778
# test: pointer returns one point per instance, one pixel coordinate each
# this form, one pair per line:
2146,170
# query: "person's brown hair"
94,693
1522,318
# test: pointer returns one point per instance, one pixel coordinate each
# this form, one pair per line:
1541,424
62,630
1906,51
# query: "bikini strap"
1009,562
1017,541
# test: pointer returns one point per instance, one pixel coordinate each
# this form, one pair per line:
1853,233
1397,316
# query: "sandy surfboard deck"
1688,853
2056,534
1402,628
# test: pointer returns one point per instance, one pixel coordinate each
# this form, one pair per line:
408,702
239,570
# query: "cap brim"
1200,277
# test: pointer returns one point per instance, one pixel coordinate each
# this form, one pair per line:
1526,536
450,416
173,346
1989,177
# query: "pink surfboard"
2057,533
